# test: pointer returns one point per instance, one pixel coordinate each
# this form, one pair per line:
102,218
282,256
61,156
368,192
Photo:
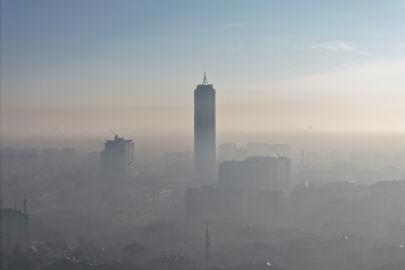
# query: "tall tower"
207,245
204,131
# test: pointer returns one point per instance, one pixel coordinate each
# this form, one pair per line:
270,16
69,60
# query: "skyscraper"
204,130
117,159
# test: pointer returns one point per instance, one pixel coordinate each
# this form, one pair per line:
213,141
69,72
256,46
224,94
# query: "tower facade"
204,130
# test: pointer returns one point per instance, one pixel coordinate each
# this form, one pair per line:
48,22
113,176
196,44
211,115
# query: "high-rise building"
14,229
117,159
204,130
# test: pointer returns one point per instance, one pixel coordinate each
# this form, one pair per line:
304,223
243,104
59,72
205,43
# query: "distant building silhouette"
257,173
204,131
14,229
117,159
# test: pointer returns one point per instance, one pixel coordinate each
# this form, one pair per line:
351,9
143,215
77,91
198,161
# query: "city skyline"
281,79
114,155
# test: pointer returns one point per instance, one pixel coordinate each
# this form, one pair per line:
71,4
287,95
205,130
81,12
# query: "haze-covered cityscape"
166,135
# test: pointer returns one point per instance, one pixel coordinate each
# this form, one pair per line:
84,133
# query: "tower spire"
205,82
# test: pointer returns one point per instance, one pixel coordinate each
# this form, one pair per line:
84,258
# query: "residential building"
117,159
14,229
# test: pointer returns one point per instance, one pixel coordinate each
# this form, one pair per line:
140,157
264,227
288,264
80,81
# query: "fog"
184,135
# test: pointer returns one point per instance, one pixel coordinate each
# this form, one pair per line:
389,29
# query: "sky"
298,72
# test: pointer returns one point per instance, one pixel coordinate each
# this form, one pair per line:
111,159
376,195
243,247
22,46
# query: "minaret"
207,245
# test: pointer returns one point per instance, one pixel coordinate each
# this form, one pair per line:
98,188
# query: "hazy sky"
79,68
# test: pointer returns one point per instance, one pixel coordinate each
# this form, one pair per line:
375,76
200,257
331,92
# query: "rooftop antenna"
205,82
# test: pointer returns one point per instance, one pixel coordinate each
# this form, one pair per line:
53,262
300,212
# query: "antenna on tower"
205,82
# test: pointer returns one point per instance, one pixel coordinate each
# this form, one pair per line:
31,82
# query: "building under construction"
117,159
